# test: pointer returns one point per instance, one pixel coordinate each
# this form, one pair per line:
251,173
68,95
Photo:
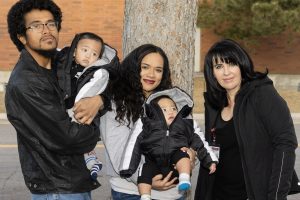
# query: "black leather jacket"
51,147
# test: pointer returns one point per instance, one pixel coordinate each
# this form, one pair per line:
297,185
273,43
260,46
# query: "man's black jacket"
50,146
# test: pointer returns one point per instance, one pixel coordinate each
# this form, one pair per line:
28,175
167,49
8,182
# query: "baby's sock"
95,170
145,197
184,181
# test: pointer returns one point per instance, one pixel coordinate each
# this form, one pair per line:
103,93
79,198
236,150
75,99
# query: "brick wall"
280,54
103,17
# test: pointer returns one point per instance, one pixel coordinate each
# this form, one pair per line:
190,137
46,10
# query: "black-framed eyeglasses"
39,27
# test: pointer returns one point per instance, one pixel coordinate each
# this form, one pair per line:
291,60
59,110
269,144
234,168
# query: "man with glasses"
50,146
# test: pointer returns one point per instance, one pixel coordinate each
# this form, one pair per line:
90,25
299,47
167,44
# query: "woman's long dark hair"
127,90
230,52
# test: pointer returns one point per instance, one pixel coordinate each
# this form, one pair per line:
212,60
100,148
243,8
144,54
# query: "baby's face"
169,109
87,52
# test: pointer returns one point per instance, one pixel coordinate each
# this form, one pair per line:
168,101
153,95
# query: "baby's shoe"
95,170
184,185
184,182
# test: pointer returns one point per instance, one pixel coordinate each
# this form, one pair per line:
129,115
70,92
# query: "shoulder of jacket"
265,91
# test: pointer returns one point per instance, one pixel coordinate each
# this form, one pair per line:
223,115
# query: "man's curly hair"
16,21
128,91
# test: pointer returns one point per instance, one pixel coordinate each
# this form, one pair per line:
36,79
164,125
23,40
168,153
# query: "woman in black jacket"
251,126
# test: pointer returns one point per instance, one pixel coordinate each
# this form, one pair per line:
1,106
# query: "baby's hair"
91,36
157,99
77,38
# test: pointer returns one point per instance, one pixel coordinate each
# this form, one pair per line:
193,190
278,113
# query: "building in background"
103,17
278,53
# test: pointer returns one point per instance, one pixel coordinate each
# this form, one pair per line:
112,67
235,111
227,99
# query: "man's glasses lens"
39,27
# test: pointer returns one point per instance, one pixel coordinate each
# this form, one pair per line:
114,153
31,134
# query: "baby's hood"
108,55
180,97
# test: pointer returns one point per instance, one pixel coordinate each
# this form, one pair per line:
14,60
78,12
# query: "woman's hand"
86,109
192,155
212,168
158,183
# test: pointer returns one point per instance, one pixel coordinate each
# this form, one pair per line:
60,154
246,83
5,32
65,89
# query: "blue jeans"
123,196
52,196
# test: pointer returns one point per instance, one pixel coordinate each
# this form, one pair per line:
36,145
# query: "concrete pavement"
11,179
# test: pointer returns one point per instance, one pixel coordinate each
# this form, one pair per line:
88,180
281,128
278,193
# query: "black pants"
151,169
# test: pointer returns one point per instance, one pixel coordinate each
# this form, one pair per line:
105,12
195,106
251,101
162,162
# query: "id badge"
216,149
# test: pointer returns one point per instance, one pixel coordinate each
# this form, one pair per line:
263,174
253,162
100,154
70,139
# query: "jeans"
52,196
123,196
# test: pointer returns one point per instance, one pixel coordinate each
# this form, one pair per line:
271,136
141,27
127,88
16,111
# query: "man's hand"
158,183
86,109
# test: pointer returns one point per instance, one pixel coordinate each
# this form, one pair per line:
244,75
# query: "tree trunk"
169,24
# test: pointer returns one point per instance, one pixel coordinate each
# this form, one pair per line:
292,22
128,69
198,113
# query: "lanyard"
213,129
213,135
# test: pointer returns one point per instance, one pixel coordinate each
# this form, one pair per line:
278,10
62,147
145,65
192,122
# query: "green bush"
246,19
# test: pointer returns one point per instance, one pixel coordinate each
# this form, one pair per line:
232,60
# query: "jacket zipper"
244,166
165,148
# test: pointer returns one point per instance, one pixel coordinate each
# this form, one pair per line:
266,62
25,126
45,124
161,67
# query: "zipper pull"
167,133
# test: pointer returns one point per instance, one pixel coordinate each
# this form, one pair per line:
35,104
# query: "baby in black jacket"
168,130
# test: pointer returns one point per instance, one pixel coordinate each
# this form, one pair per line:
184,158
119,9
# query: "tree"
240,19
168,24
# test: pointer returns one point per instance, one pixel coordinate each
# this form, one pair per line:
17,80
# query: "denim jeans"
123,196
52,196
